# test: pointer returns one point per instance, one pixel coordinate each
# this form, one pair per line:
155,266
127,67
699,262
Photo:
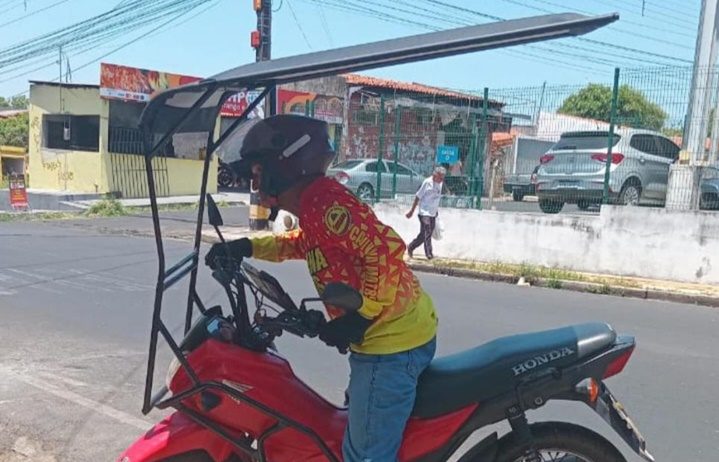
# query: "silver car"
572,171
360,176
710,189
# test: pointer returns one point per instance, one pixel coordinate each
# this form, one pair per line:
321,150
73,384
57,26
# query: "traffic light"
255,39
257,4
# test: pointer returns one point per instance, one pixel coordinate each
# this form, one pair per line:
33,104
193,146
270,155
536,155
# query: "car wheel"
517,196
583,205
225,178
365,192
631,193
709,201
550,206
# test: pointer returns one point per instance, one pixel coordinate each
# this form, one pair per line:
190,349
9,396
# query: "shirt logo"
338,220
316,261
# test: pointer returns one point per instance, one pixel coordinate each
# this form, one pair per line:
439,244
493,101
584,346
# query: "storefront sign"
132,84
18,193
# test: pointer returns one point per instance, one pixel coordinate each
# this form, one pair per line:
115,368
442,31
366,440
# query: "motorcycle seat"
455,381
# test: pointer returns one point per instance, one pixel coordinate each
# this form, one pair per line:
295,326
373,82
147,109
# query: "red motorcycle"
237,399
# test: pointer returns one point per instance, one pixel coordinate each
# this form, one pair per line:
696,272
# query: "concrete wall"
636,241
59,169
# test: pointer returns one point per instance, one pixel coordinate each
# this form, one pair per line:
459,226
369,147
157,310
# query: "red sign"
139,85
18,193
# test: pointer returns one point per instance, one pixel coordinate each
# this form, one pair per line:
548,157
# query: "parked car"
710,190
521,185
573,170
360,176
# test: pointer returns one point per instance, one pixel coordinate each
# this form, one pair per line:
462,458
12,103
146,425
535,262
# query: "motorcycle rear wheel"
560,442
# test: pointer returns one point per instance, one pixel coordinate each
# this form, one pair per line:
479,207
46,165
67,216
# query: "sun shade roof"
205,97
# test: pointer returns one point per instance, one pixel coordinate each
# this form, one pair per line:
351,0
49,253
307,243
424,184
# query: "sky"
216,37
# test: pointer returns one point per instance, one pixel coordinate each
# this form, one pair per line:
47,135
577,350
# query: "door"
669,153
404,178
386,180
649,165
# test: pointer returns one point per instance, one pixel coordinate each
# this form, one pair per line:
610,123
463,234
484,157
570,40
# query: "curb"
575,286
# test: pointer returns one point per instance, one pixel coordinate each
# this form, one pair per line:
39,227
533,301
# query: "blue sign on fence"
447,154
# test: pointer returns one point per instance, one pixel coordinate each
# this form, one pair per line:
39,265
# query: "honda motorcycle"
235,398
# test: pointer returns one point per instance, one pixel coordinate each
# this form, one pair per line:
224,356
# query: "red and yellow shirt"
343,241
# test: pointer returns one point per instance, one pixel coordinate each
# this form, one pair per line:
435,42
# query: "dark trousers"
426,228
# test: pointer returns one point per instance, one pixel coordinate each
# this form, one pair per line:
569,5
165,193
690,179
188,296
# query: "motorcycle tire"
552,439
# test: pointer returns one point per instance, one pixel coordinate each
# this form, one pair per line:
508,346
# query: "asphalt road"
76,305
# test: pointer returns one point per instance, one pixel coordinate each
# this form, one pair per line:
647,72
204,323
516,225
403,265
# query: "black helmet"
289,148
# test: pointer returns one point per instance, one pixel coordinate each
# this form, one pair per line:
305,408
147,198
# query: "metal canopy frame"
196,108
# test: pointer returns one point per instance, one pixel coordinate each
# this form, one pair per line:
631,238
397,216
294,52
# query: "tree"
633,109
15,102
14,130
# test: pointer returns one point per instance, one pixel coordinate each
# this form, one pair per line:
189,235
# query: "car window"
401,169
667,148
570,141
645,143
348,164
372,167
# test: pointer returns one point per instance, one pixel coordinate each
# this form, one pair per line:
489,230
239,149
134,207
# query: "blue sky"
218,39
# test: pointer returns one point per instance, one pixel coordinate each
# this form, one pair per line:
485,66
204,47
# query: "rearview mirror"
342,296
213,212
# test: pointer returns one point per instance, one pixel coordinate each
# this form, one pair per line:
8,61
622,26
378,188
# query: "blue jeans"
381,393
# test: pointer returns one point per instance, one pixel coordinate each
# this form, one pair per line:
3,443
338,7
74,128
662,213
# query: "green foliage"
15,102
633,108
108,207
14,131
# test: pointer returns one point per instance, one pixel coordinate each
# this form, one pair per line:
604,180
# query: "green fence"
547,148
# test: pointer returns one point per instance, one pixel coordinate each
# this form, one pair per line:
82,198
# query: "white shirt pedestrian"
429,195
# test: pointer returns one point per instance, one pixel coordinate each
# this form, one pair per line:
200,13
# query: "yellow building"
82,143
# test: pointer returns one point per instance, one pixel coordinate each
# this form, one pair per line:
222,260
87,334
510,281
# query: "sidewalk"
555,278
228,197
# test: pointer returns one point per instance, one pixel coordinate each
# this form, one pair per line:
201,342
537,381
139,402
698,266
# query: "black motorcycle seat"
486,371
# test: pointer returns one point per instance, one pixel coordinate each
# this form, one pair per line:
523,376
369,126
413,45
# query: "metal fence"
546,148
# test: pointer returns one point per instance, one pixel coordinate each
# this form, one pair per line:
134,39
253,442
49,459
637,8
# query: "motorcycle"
237,399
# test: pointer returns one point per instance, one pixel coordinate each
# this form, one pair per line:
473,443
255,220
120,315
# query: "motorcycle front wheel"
559,442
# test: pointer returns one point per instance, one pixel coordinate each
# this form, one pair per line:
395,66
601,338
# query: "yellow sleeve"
278,248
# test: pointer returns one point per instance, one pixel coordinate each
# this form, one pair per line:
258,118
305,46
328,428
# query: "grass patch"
532,273
108,207
40,216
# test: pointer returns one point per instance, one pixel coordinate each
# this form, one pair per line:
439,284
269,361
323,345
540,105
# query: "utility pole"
261,41
683,186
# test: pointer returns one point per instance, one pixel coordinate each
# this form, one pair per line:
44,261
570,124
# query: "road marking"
100,408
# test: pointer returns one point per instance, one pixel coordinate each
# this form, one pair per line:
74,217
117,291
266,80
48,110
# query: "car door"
404,177
669,153
371,169
648,164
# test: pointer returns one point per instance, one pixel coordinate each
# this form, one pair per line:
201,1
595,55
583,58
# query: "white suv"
572,171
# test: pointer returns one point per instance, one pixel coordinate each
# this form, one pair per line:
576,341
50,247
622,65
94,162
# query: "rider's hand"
239,249
342,331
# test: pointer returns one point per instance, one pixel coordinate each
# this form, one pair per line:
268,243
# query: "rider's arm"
278,248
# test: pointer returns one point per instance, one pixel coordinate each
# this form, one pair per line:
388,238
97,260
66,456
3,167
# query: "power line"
325,26
154,31
584,39
33,13
345,5
624,21
299,25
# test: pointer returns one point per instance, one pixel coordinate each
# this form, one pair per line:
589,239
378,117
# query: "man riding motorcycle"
392,336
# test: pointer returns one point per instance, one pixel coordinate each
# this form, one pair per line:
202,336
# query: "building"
81,142
371,117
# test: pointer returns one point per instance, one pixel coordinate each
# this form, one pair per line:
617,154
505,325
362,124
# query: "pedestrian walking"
427,197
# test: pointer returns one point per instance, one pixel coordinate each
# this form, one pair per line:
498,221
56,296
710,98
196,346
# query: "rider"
392,336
